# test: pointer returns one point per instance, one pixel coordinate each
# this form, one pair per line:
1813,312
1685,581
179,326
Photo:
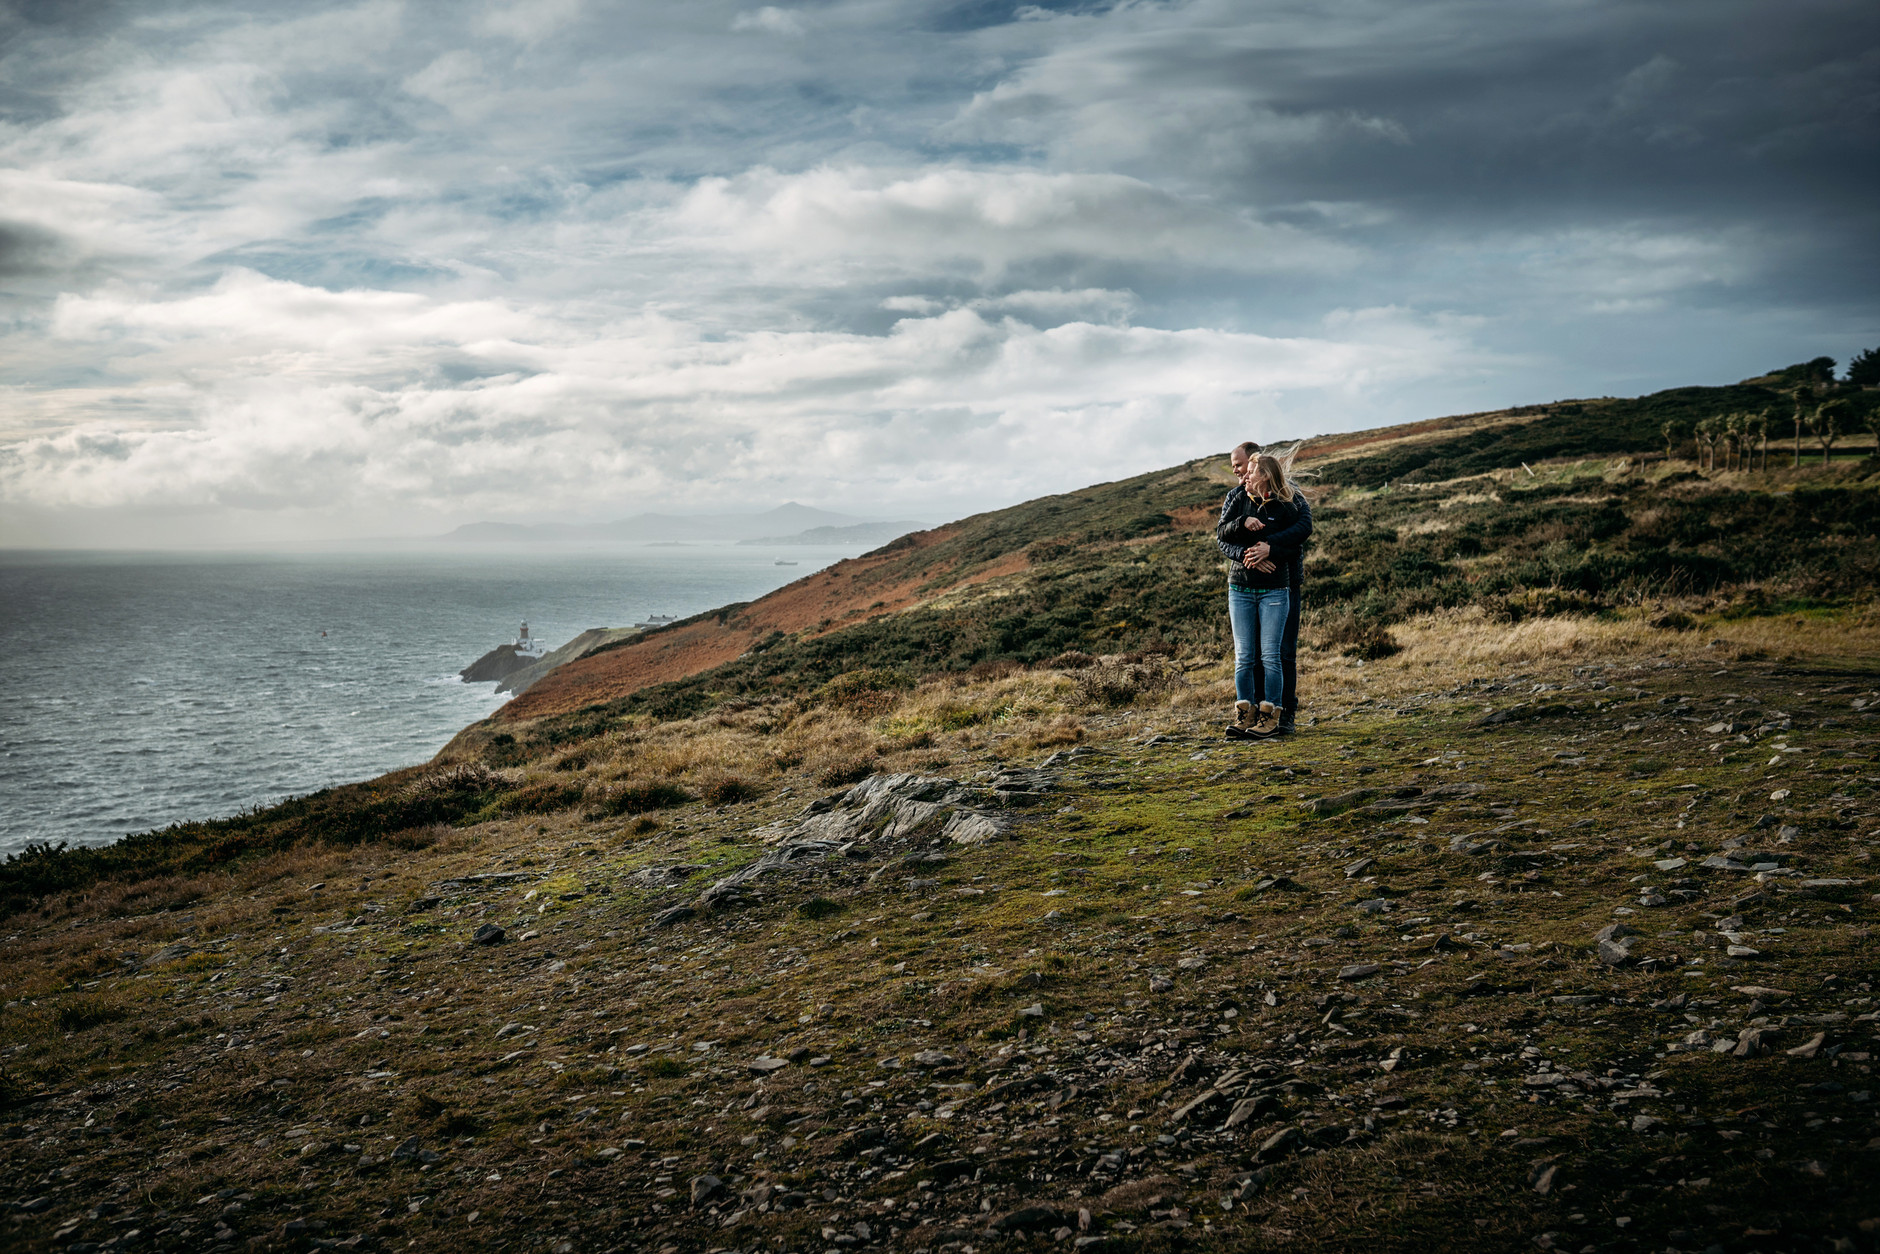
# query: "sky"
296,272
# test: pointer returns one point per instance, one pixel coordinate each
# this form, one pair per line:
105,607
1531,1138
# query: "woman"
1258,596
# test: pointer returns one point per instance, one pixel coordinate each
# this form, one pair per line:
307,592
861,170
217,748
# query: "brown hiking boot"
1243,715
1267,724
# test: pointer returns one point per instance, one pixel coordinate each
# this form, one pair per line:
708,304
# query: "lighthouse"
525,646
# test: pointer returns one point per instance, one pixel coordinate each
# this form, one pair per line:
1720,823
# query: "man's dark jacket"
1287,543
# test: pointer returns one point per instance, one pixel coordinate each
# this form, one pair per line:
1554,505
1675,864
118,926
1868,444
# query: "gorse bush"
867,691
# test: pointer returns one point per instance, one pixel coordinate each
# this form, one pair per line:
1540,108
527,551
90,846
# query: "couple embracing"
1262,532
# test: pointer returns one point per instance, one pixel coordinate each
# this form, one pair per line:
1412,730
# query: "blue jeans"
1259,619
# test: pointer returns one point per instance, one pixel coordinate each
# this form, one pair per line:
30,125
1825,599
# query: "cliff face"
593,638
499,663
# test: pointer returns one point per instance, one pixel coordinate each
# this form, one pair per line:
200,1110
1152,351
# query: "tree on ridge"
1864,369
1672,430
1829,422
1804,397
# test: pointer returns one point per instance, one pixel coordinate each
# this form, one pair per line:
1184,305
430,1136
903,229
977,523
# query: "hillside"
920,906
1130,566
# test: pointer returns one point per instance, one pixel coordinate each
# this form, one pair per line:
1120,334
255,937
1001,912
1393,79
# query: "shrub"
459,1123
1060,731
423,1107
1071,661
663,1067
544,796
729,790
452,781
1360,638
818,908
80,1013
848,768
416,838
617,799
1546,603
867,692
1119,683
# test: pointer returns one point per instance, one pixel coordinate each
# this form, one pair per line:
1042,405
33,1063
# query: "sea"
141,689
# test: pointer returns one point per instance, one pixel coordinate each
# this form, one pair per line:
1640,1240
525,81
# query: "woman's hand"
1257,555
1253,524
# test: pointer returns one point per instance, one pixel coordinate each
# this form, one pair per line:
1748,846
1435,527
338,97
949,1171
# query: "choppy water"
140,689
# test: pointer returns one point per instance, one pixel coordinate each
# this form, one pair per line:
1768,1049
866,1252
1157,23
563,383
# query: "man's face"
1242,465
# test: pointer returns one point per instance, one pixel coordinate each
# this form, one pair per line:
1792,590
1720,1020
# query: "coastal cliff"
496,665
514,671
521,678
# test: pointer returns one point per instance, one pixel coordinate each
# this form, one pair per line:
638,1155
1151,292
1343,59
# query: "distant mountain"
786,519
858,533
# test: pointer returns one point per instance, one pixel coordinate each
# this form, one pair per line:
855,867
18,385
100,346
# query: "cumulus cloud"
311,256
339,398
985,220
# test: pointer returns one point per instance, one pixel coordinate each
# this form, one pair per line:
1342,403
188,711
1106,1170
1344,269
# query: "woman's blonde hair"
1268,469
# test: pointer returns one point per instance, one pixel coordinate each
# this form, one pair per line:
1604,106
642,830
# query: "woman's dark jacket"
1288,524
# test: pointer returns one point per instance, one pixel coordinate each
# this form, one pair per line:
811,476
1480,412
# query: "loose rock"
1809,1048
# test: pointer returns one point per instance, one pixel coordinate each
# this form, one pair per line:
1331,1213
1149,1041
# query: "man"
1258,556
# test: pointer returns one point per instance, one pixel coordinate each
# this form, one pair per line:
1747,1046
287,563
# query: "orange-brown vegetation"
886,581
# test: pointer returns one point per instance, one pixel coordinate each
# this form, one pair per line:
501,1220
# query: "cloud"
338,399
529,21
772,19
987,221
534,256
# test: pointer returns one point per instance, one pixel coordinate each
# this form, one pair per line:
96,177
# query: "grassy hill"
1555,509
919,906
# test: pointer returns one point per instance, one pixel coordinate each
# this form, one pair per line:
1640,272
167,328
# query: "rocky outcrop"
496,665
514,672
893,818
582,645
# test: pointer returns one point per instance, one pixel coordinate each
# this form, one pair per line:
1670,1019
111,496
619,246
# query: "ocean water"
137,690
